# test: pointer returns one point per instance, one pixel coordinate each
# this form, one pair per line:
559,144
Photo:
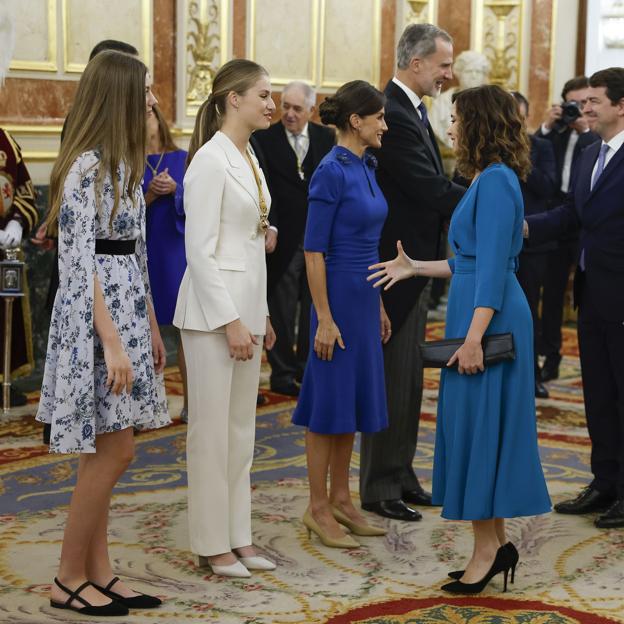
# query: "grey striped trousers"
386,457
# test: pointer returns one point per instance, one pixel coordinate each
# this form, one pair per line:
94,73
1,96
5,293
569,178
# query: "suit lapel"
614,163
239,168
285,159
584,176
394,91
311,160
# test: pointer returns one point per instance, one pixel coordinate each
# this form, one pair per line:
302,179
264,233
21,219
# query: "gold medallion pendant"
263,224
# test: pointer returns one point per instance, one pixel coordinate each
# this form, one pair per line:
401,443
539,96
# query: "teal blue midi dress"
486,461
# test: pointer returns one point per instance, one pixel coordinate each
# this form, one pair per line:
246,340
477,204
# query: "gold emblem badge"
7,192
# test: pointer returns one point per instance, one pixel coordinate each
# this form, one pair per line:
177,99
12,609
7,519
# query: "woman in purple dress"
164,196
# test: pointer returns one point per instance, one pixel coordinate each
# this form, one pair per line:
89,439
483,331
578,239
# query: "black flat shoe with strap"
514,558
111,609
502,563
142,601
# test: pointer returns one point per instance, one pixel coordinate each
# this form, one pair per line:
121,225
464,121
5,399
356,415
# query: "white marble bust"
472,70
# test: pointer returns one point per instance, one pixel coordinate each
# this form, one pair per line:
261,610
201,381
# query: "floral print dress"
74,397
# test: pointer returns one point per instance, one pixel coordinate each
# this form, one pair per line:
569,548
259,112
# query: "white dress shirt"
567,158
414,99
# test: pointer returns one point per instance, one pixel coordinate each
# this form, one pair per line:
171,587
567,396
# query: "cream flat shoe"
257,563
235,570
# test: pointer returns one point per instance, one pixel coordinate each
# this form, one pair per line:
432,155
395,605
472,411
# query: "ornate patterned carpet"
569,571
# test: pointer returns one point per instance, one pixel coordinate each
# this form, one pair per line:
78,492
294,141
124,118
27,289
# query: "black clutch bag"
496,348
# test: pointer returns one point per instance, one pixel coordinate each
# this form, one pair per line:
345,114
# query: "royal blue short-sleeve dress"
486,461
346,213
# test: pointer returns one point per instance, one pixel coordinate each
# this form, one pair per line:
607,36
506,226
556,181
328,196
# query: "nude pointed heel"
364,530
312,526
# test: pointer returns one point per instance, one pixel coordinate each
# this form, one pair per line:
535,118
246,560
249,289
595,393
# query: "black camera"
570,112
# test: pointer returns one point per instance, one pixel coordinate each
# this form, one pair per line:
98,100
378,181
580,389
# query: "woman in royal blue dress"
164,196
486,463
343,387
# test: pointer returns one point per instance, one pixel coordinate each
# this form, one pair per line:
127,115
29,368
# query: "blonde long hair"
237,75
109,114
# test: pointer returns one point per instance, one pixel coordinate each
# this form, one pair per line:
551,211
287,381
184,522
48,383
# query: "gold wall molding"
40,146
33,129
323,59
368,71
107,30
306,50
49,64
205,40
498,33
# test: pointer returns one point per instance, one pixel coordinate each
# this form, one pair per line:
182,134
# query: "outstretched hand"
392,271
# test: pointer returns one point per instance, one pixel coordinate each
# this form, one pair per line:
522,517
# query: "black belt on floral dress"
109,247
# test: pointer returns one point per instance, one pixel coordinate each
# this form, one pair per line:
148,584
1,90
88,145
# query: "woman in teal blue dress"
486,462
343,388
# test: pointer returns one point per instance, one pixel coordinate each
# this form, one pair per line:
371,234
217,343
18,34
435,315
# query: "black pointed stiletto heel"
502,563
514,556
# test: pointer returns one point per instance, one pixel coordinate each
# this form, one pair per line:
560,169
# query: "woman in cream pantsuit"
223,314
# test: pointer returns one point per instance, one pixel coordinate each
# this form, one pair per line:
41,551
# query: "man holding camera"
568,130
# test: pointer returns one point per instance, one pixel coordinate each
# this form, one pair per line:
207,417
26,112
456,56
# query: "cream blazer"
225,278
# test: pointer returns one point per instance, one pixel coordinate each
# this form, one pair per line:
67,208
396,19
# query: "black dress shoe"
588,501
613,518
417,497
540,390
395,509
550,370
289,389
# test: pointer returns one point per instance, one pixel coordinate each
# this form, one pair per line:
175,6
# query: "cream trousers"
220,442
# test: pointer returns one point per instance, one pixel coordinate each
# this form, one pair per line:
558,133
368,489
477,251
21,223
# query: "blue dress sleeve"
178,200
451,263
494,222
324,198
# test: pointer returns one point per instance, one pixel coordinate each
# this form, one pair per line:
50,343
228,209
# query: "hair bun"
329,111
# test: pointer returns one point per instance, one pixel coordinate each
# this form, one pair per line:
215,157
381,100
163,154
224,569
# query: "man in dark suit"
420,197
568,140
537,192
595,209
291,149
